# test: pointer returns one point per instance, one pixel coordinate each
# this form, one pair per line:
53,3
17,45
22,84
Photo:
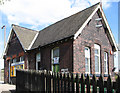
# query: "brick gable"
89,36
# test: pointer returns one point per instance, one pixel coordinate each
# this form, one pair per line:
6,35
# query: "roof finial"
4,27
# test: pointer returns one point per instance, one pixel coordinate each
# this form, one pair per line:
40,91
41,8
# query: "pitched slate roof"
24,35
64,28
70,26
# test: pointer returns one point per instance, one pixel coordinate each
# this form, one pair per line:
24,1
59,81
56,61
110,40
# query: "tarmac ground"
7,88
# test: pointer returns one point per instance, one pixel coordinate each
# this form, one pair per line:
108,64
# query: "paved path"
6,88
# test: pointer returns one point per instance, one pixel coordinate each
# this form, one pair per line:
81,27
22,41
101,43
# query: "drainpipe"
9,71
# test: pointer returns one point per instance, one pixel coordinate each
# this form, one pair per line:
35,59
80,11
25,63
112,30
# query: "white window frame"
14,60
38,54
96,46
21,58
106,62
87,55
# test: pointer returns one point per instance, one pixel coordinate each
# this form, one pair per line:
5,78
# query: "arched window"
105,62
55,59
38,59
97,58
87,60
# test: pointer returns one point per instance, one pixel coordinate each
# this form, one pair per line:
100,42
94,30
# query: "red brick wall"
6,70
89,36
65,55
31,59
14,48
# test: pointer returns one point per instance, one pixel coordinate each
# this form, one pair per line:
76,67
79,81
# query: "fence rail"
29,80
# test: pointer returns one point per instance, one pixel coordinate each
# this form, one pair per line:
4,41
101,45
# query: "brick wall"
6,70
14,48
65,55
90,36
31,59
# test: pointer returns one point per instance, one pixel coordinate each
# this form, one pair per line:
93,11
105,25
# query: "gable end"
105,24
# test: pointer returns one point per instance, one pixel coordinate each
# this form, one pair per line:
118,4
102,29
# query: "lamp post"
4,27
101,3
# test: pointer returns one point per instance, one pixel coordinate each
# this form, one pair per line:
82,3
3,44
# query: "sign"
64,70
17,63
56,60
111,52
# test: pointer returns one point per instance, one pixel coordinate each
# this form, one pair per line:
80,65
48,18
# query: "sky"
38,14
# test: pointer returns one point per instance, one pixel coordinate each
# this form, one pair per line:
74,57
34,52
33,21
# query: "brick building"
81,43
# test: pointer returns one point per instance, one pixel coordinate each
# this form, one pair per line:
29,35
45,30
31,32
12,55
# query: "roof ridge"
71,15
24,27
64,28
87,8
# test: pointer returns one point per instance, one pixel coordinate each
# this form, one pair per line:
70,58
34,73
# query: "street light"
4,27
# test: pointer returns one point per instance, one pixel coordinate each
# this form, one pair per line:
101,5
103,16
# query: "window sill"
97,75
55,63
106,75
91,75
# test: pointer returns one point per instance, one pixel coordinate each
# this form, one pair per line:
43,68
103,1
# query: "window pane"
22,58
96,51
105,62
104,56
18,59
56,55
14,60
37,57
97,58
86,65
87,52
96,64
87,59
56,52
56,68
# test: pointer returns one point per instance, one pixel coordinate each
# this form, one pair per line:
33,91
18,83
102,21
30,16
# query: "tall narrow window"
106,62
38,61
97,58
21,58
55,59
87,60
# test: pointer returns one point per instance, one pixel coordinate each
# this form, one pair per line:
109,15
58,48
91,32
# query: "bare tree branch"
3,1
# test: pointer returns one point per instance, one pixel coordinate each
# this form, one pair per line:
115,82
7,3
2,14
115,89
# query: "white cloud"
1,43
44,12
35,12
